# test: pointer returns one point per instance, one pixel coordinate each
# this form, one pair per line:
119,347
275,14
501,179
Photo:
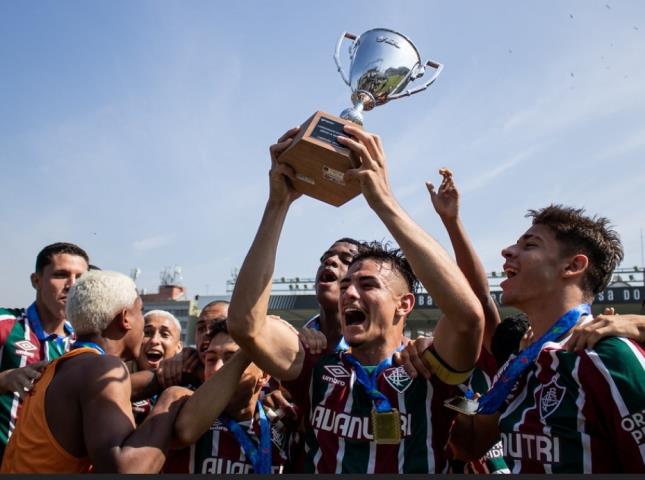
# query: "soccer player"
185,368
78,415
332,268
340,398
161,341
560,411
445,201
29,338
213,312
224,422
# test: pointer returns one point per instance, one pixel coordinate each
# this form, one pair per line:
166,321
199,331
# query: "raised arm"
446,204
458,336
112,442
209,401
270,343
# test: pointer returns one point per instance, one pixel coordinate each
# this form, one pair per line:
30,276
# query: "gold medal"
386,427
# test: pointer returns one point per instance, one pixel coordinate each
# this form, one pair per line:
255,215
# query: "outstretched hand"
446,200
281,175
372,172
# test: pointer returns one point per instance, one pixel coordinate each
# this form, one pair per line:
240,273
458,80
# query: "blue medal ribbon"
380,401
260,459
92,345
493,399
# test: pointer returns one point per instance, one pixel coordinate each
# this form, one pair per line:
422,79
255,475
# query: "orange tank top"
32,447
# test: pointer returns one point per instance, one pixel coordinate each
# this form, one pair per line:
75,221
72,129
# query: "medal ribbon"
261,460
493,399
92,345
381,402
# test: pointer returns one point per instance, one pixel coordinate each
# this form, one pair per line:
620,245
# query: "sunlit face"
54,282
220,350
208,317
333,267
161,340
371,293
533,267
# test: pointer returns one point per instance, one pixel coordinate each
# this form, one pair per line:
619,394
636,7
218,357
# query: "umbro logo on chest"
25,348
336,374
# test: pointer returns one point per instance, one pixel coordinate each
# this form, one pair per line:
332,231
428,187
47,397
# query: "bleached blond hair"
96,298
168,316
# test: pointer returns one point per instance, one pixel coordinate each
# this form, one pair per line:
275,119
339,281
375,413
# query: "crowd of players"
90,384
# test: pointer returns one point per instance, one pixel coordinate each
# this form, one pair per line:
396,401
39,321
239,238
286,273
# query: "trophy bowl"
382,65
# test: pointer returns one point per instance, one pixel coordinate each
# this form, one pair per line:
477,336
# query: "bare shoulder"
101,373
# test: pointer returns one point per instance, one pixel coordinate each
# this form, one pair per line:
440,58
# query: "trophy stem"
354,114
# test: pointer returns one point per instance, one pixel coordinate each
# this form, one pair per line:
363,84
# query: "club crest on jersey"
398,378
551,396
25,348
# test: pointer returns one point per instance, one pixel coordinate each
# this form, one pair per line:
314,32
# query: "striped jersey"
23,342
218,451
578,412
338,419
480,381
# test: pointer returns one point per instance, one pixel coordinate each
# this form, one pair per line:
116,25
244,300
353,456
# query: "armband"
443,371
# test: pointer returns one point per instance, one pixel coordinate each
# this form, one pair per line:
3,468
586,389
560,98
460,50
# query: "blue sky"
140,129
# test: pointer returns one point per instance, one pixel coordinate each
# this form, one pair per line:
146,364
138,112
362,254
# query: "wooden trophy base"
320,161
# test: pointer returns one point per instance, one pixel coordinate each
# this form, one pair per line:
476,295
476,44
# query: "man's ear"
406,304
123,319
180,347
35,279
576,266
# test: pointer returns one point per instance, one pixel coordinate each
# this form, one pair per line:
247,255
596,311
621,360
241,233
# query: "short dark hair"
381,252
213,303
591,236
507,336
45,256
217,328
359,245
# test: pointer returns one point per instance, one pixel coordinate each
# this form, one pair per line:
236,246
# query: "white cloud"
482,179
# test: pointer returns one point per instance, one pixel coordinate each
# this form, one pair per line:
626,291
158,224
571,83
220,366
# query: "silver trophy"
383,64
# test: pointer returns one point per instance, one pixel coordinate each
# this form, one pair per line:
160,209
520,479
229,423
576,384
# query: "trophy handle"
349,36
437,67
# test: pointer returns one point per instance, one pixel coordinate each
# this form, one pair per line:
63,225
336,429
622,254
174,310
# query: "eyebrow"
530,236
360,279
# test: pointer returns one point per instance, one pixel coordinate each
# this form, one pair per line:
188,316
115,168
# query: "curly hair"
579,233
97,297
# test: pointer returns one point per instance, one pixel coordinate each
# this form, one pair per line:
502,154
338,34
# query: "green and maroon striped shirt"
337,415
578,412
23,342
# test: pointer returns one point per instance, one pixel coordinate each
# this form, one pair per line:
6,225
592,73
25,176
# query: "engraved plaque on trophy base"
320,161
